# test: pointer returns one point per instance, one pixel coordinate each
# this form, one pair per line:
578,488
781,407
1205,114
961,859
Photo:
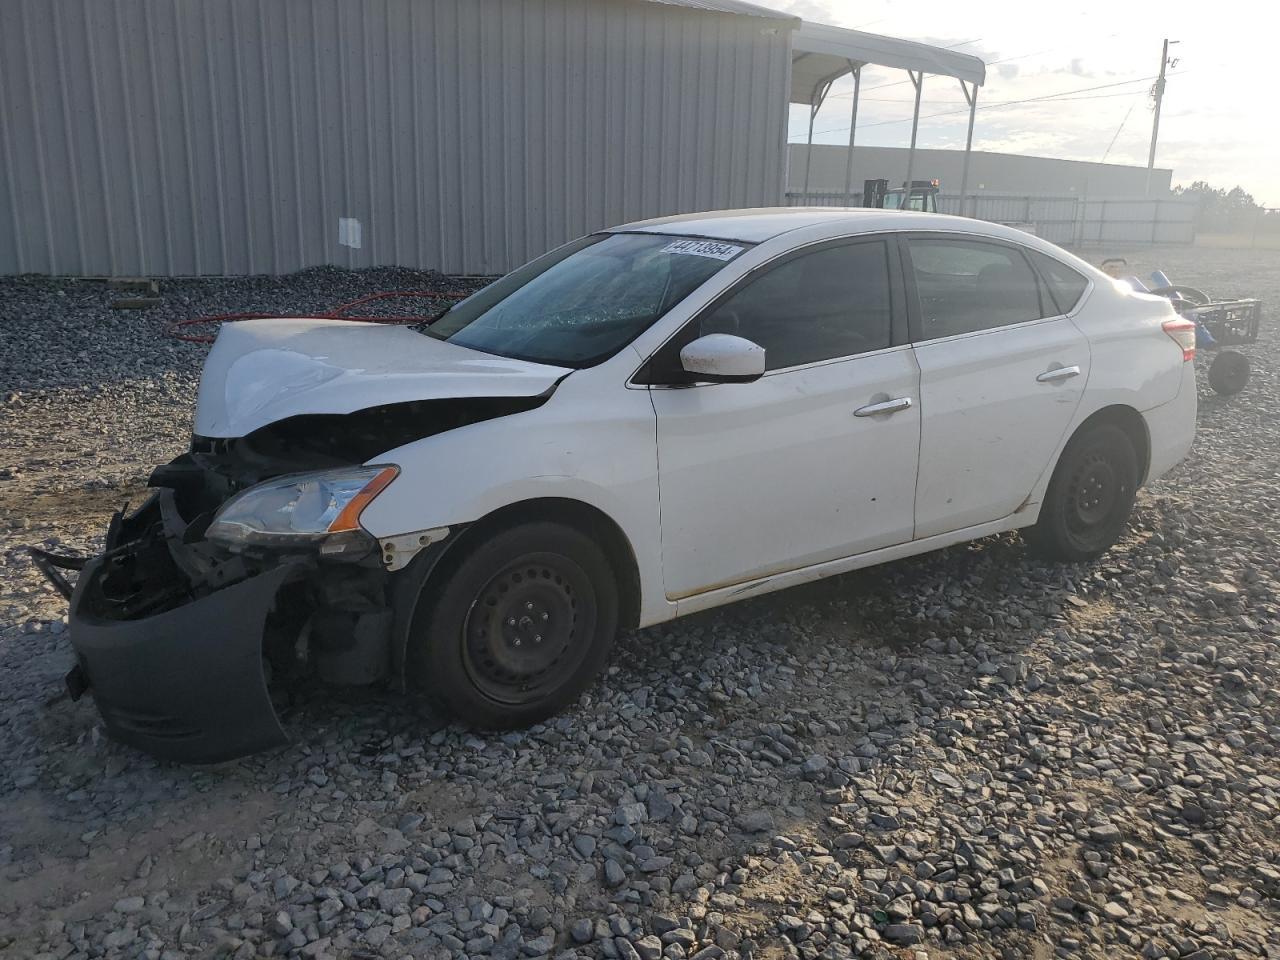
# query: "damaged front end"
170,641
248,562
176,636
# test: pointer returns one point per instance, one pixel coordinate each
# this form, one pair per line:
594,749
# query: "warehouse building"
998,173
184,137
196,137
1070,202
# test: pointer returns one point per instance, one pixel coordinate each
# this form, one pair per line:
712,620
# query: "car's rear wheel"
1089,498
519,629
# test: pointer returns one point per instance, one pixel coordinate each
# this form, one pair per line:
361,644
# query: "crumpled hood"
261,371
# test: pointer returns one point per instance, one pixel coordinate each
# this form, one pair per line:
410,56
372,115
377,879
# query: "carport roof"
822,53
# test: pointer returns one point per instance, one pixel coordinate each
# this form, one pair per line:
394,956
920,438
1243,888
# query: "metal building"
999,173
1069,202
183,137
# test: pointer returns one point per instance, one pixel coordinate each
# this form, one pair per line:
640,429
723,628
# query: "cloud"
1007,71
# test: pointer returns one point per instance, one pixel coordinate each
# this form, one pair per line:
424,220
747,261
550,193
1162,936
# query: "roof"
739,7
821,53
757,224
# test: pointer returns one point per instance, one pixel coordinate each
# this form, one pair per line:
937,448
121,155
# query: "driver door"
817,459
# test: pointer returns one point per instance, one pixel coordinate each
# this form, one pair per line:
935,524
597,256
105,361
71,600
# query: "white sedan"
646,422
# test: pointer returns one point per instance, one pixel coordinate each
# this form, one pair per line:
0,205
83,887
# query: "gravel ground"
965,754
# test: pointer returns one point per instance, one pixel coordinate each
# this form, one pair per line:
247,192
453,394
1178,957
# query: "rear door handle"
1059,373
887,406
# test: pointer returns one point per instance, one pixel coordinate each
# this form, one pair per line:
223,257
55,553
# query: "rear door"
1001,374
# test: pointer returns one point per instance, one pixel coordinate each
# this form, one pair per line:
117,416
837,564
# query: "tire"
1090,496
519,629
1229,372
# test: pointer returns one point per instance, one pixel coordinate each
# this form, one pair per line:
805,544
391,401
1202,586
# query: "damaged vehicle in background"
646,422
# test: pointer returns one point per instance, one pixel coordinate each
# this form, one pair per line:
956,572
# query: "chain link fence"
1069,220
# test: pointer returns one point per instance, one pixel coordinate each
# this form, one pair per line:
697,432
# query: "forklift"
921,195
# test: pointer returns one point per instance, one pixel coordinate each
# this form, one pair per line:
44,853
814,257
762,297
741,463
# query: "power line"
1100,96
1107,152
994,106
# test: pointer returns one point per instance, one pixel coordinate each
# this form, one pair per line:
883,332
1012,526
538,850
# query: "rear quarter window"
1066,286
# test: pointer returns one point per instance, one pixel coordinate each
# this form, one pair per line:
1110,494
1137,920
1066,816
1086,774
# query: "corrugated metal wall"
178,137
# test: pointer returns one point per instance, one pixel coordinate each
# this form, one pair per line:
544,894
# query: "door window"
829,303
966,286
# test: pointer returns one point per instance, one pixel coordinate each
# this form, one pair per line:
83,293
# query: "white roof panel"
821,52
764,223
757,224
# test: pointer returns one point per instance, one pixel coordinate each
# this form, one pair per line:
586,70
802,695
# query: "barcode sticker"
704,248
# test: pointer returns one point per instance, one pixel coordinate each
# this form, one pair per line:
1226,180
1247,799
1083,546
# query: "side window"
967,285
1065,285
833,302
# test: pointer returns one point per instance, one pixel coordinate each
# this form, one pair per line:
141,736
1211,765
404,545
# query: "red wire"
337,313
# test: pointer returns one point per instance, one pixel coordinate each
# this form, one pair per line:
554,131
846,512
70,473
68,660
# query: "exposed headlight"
300,509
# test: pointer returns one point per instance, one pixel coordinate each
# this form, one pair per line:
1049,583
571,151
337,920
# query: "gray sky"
1220,121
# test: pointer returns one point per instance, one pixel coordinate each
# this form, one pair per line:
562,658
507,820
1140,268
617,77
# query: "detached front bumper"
186,684
169,634
173,633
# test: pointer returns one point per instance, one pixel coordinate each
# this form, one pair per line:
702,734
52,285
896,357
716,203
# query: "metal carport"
822,54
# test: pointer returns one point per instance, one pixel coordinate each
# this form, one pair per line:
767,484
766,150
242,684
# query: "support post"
808,153
853,126
970,94
917,80
819,95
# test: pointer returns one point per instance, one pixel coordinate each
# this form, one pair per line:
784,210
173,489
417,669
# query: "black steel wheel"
518,629
1229,372
1090,496
528,627
1093,491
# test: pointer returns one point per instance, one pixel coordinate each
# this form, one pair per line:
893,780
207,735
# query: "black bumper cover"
186,684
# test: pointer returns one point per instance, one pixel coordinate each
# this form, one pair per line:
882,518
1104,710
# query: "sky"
1220,121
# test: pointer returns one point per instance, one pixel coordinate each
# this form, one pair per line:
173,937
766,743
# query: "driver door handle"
887,406
1059,373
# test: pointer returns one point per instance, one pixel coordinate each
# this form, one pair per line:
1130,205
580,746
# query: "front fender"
593,446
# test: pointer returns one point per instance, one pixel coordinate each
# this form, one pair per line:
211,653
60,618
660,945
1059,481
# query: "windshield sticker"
704,248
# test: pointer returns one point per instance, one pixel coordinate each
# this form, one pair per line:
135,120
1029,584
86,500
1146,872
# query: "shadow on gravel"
873,609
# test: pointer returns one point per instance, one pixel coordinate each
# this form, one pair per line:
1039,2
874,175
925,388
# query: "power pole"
1158,93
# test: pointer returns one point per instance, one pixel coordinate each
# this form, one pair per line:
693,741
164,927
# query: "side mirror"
723,358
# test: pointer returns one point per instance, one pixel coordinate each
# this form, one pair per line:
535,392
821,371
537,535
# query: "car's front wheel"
519,629
1089,498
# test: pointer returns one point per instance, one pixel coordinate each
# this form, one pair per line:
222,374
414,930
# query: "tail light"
1183,332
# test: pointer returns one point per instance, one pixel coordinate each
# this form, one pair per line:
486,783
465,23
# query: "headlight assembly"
301,508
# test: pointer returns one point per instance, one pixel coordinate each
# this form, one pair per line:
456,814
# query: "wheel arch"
432,565
1129,420
583,517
